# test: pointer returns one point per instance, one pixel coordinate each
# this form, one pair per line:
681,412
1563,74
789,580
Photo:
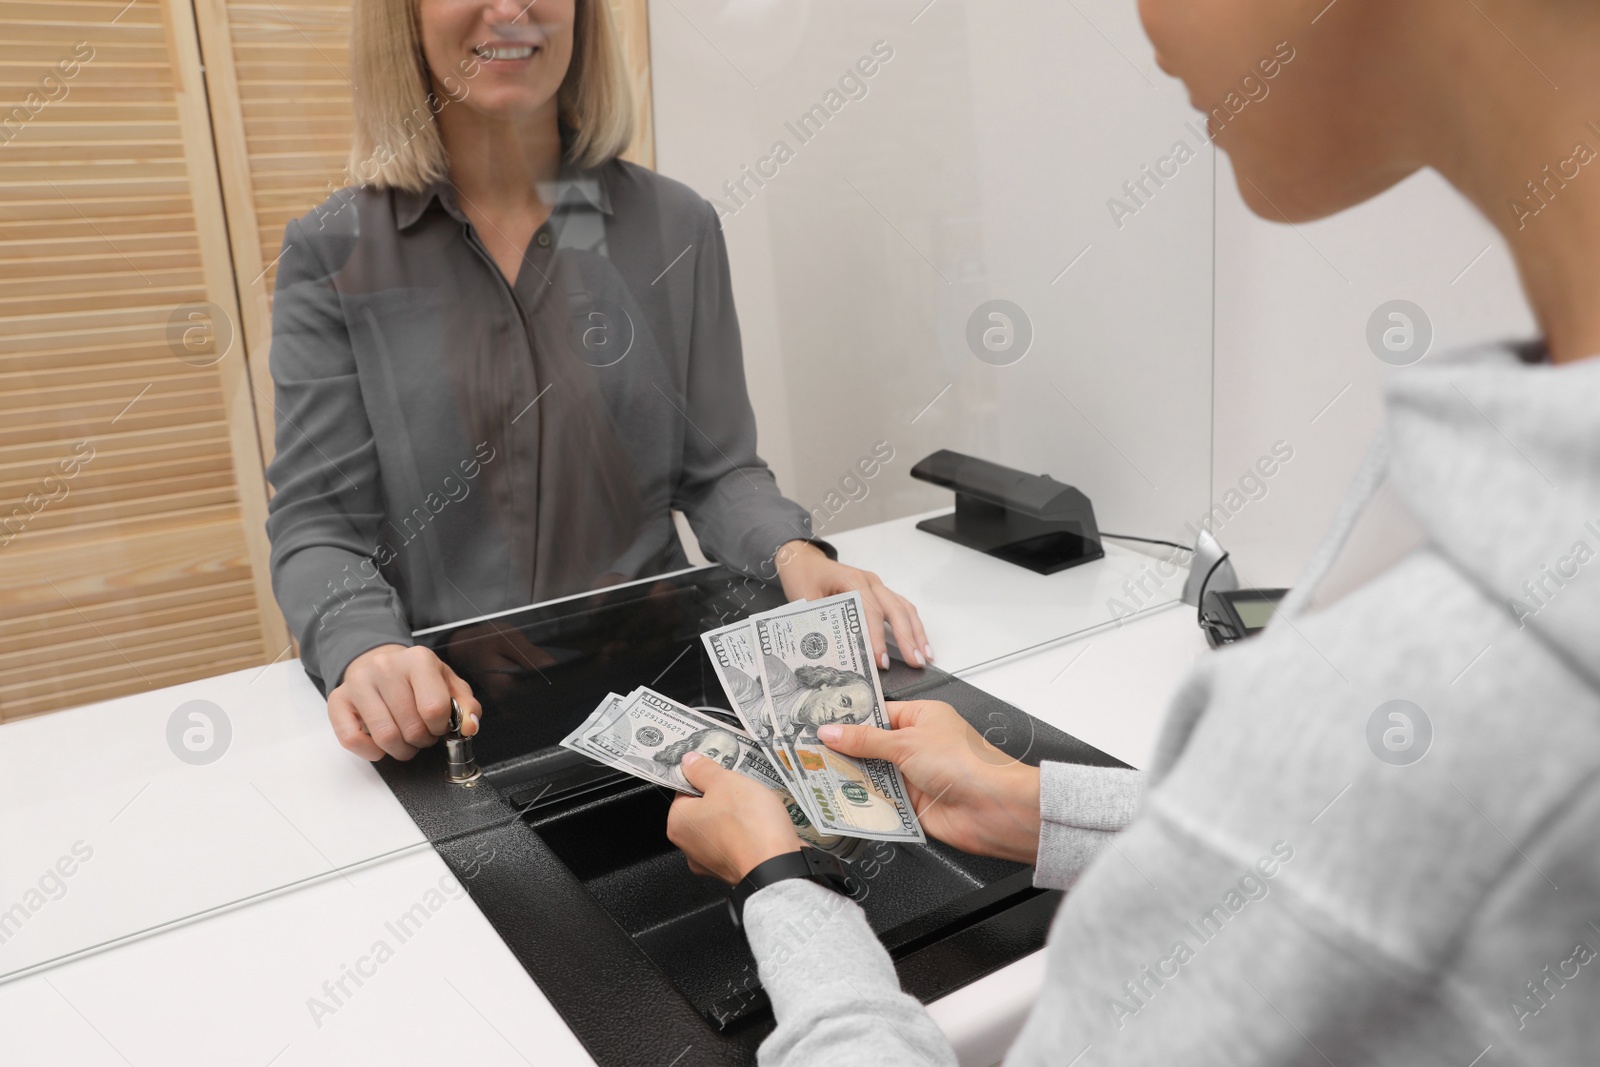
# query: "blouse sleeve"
323,520
726,490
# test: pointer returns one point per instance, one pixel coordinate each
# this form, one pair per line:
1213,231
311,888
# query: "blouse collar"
575,189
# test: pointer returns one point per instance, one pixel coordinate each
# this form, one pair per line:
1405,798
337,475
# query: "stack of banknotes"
786,672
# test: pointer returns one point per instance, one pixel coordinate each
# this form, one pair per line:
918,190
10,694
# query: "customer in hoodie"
1290,883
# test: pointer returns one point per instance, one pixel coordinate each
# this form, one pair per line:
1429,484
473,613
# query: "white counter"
204,926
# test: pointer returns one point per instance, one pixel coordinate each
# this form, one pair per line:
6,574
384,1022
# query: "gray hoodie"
1317,874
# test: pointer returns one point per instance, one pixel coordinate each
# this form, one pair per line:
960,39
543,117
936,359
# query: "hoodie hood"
1499,461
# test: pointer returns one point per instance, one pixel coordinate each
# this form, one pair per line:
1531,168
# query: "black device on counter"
570,862
1030,520
1230,615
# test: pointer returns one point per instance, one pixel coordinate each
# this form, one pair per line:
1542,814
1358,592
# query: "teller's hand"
396,700
738,825
807,573
966,792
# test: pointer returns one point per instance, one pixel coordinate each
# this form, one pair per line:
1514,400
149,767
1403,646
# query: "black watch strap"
811,864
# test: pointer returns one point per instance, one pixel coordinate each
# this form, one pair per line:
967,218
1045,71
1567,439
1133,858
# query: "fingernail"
884,660
826,734
920,661
929,650
691,758
474,718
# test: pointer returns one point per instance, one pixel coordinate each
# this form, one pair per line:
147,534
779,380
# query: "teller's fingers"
471,710
899,614
394,688
875,618
920,634
347,727
431,693
380,723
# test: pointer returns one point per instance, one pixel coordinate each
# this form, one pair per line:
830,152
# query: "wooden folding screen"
132,501
150,155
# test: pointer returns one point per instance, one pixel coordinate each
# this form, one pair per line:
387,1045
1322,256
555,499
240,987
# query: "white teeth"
484,51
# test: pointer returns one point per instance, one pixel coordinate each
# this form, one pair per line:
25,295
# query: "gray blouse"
451,445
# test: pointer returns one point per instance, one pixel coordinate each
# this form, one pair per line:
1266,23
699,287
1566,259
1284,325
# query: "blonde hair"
396,143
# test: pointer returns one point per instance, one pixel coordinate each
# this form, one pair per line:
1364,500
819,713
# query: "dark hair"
673,754
815,677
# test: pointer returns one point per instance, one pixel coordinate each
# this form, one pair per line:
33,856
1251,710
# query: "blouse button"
544,238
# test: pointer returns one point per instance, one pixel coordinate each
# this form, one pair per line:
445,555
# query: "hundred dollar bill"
733,656
816,667
646,734
838,844
574,739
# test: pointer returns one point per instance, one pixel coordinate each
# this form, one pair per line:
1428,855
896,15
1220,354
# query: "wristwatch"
811,864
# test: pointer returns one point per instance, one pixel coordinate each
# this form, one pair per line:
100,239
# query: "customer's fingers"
347,727
683,830
906,713
704,774
864,742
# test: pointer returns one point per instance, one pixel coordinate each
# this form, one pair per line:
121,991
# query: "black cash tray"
570,861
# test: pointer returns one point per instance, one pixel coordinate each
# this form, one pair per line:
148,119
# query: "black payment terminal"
1236,614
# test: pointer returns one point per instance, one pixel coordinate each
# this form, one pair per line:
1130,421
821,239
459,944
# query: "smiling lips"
504,51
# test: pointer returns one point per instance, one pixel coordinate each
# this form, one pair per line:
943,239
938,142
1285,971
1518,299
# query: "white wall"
1291,311
978,166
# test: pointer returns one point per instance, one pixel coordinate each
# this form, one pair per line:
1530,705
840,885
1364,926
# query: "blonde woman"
502,358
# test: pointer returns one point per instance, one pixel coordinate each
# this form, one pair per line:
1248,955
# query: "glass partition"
953,226
859,232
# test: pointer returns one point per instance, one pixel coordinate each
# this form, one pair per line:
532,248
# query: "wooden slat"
122,439
127,616
142,646
165,556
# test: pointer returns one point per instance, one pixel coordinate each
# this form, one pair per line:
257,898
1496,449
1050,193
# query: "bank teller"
502,357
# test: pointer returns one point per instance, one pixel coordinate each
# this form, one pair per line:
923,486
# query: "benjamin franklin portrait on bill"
805,698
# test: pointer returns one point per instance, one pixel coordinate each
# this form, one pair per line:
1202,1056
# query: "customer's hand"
738,825
396,699
806,572
966,792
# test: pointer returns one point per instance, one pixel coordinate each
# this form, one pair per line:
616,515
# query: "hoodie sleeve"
1080,809
833,988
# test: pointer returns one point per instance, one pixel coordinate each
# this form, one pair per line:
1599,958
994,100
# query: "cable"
1199,608
1147,540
